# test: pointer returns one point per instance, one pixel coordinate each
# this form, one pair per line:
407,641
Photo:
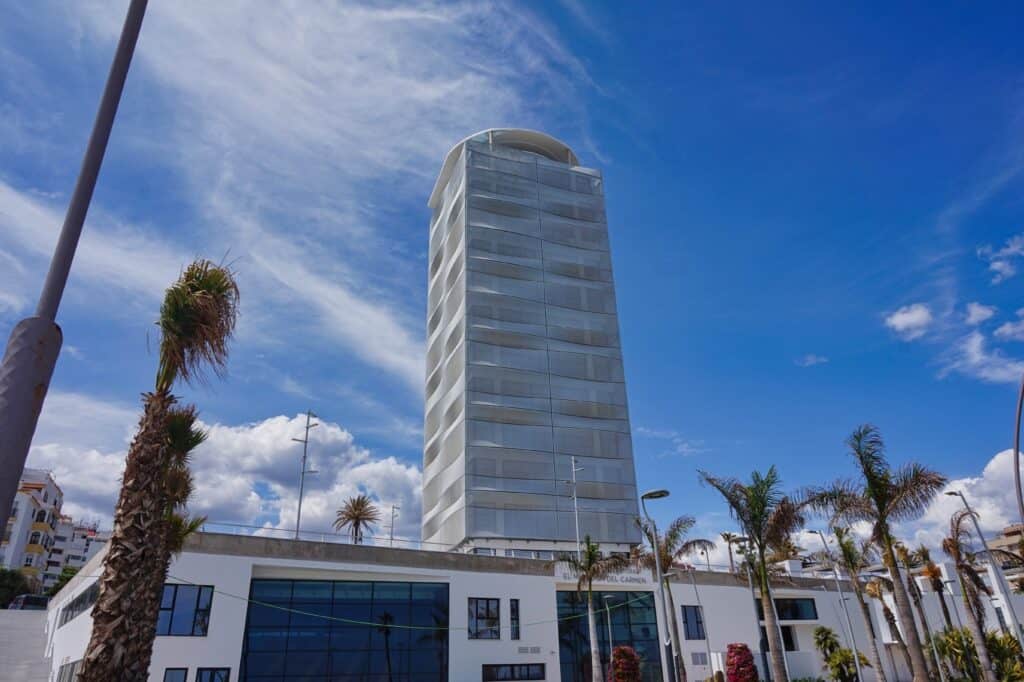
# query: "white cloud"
910,321
1012,330
972,357
1003,261
677,444
978,313
810,360
245,474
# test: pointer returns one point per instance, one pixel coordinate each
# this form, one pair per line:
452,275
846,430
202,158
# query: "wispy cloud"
810,360
676,444
978,313
973,357
1012,330
911,321
1004,261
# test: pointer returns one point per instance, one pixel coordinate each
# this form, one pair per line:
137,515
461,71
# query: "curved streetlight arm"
1016,454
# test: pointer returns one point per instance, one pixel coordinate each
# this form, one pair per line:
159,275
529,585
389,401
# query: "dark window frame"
199,616
478,631
493,672
693,628
212,672
513,610
182,671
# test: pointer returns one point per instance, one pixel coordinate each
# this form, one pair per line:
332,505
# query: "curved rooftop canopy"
532,141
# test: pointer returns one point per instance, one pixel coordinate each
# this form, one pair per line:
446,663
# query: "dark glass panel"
183,615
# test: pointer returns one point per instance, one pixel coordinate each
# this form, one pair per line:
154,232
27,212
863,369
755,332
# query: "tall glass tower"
524,368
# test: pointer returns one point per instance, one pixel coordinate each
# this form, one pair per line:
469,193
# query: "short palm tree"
907,559
956,547
673,546
877,588
589,566
933,574
854,558
883,496
730,539
358,514
768,518
197,320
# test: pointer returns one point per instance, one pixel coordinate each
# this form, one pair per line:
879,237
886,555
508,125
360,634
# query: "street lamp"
842,600
997,570
608,598
1016,454
669,648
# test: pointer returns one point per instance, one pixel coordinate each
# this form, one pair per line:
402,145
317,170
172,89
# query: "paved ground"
22,641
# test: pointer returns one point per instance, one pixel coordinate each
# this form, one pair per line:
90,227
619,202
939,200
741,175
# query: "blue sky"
803,202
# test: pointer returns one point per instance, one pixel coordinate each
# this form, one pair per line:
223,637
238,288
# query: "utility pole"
576,506
35,341
303,471
391,533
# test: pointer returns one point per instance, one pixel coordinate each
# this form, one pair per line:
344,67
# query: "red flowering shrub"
739,664
625,665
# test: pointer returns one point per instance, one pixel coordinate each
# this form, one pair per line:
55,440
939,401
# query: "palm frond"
179,528
912,488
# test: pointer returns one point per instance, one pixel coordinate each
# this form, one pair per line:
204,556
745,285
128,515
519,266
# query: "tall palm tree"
197,320
359,513
588,567
905,557
933,574
672,547
883,496
854,559
877,588
730,539
768,518
972,585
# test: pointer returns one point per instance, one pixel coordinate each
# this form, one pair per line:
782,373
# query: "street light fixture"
997,569
669,646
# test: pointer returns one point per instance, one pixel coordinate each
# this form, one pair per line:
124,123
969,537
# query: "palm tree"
386,621
906,558
359,513
956,547
767,517
672,546
884,496
933,574
197,320
876,588
729,539
854,559
588,567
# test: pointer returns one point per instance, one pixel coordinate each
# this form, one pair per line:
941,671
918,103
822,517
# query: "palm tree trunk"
905,614
895,630
732,567
155,576
984,660
674,624
869,626
595,646
919,607
125,587
776,649
945,609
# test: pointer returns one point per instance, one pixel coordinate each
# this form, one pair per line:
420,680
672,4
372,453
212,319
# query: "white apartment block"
32,525
74,543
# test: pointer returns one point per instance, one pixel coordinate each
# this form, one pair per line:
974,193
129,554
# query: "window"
513,609
185,611
176,675
693,622
34,538
516,671
80,604
213,675
788,638
29,560
699,658
792,609
68,672
484,618
41,516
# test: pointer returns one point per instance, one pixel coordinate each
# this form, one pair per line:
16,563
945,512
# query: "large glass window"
633,624
513,608
788,638
69,671
176,675
693,622
345,630
802,608
515,671
484,618
213,675
185,610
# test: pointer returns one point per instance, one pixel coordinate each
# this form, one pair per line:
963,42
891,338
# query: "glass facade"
800,608
633,625
343,631
524,366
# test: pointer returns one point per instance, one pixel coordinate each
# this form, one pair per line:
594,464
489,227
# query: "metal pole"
842,600
670,658
707,631
391,532
576,508
997,570
611,645
757,621
303,471
35,342
1016,454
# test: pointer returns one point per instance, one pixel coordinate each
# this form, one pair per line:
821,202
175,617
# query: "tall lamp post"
997,570
35,342
670,653
303,470
842,600
703,616
1016,454
608,598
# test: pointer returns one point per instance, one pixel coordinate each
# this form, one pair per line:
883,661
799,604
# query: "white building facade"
525,387
32,525
260,609
74,543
